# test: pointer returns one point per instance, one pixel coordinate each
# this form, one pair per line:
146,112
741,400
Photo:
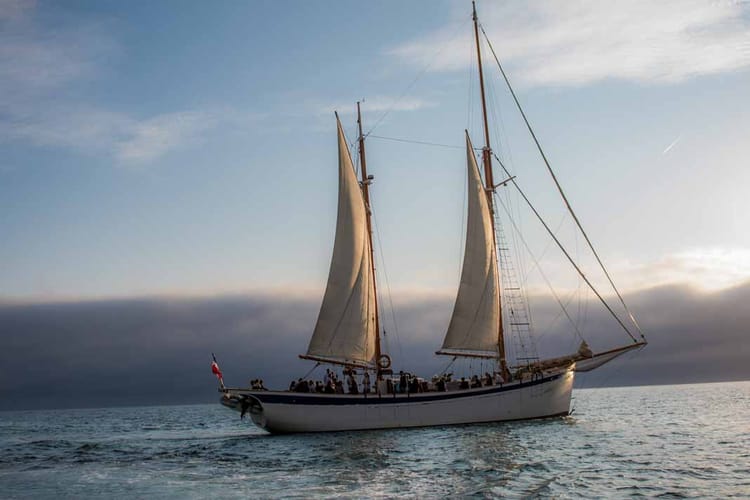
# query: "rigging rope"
539,267
449,365
562,193
396,139
419,75
311,370
388,288
564,251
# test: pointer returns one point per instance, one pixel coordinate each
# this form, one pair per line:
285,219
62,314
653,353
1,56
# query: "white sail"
473,329
345,331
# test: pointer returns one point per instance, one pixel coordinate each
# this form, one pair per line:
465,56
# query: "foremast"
347,330
366,181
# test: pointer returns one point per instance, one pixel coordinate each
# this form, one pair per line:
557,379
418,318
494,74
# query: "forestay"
345,331
474,326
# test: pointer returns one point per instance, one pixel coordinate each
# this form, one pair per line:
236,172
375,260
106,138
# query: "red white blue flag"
216,371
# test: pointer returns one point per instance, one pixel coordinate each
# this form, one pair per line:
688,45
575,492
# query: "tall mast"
366,180
489,188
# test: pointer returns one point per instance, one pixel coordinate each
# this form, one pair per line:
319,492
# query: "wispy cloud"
35,62
699,268
152,138
703,268
41,72
71,126
373,104
374,108
585,41
381,103
97,131
13,9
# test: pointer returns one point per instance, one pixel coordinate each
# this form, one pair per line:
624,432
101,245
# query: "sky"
179,151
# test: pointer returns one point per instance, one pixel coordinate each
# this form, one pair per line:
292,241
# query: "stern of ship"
246,404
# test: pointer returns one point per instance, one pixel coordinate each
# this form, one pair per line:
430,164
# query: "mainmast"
489,188
366,181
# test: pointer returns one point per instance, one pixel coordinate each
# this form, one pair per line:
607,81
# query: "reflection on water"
670,441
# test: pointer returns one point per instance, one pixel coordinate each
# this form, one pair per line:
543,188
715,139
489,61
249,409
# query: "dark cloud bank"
157,351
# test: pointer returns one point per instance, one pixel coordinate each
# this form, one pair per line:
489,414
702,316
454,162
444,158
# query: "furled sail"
474,326
346,331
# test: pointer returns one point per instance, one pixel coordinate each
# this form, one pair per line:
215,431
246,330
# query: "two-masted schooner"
347,332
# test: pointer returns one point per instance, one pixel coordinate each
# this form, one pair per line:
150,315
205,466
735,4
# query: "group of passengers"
257,385
405,383
331,384
410,383
475,382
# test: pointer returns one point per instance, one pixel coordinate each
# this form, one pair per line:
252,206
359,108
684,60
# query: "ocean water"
686,441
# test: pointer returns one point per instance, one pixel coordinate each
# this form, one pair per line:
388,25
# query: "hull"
286,412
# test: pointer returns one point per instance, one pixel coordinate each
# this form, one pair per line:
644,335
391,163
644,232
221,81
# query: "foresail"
584,360
474,326
593,361
345,331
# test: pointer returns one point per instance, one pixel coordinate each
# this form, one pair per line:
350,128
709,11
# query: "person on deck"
366,383
401,382
464,384
414,385
353,389
440,385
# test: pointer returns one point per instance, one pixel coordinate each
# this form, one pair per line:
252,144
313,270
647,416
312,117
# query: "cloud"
14,9
76,127
586,41
702,268
32,61
378,103
157,351
43,68
152,138
97,131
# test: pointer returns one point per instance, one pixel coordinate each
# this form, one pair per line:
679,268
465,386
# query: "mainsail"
474,326
345,332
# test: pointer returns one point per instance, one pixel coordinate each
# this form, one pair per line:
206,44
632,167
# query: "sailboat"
348,331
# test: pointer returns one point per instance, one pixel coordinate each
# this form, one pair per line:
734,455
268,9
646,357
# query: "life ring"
384,362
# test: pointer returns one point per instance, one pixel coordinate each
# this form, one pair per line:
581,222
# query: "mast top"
487,150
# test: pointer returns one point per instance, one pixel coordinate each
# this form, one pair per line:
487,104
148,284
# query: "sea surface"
683,441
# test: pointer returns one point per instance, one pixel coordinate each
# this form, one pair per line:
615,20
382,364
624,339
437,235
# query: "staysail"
345,332
474,326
